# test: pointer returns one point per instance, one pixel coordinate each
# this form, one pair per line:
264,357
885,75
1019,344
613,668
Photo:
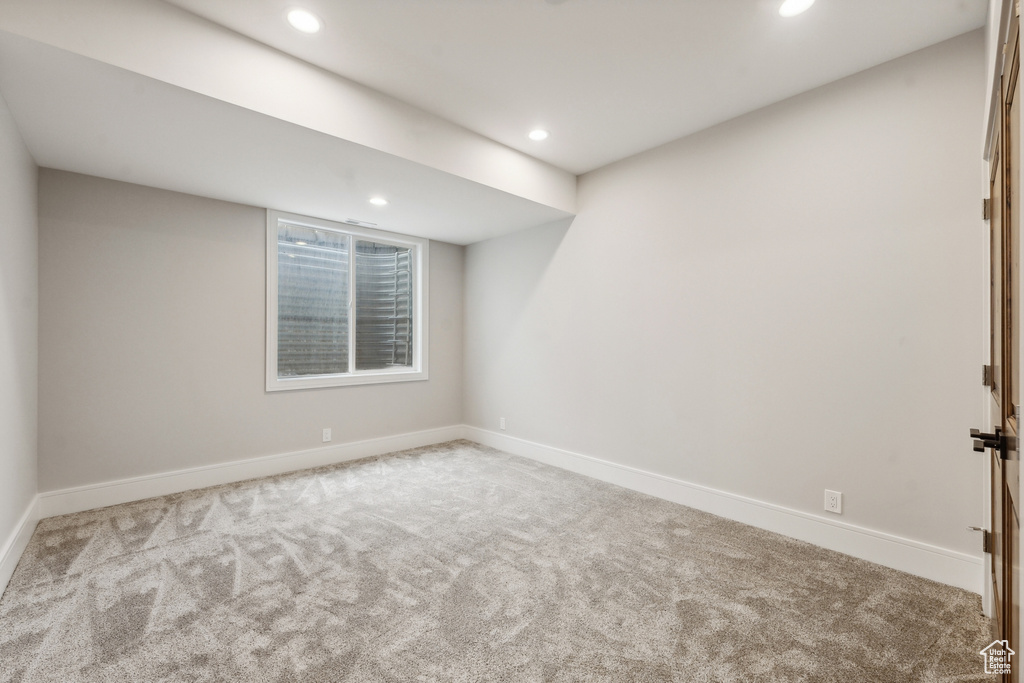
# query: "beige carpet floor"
460,563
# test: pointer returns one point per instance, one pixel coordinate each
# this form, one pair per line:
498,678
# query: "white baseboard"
931,562
14,545
66,501
928,561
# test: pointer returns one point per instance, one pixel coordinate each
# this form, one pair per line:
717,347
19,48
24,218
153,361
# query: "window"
345,304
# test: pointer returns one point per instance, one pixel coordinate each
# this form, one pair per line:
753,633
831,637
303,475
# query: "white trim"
995,87
922,559
15,545
66,501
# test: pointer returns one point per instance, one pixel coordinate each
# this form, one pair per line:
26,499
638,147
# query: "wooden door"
1005,353
998,304
1011,346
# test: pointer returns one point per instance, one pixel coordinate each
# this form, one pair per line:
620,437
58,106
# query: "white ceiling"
81,115
608,78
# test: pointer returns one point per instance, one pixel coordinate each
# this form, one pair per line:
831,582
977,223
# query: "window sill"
355,379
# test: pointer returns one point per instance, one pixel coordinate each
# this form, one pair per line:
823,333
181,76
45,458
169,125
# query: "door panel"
996,204
998,303
1011,345
1004,233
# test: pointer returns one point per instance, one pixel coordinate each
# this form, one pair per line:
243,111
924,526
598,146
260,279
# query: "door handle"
983,441
998,441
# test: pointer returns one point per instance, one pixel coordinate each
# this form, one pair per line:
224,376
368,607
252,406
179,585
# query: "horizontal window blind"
346,305
313,301
384,310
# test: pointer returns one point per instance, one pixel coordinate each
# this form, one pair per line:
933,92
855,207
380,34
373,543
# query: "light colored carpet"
460,563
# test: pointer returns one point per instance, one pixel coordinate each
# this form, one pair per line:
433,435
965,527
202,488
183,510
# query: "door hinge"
986,375
986,538
986,209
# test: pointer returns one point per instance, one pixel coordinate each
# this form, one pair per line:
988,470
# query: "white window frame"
420,278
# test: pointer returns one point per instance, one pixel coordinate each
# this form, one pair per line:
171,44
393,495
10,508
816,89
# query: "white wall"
152,340
19,296
784,303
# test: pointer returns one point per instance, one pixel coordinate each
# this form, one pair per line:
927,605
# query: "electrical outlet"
327,434
833,502
501,423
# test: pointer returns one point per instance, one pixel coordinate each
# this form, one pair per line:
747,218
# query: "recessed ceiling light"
304,21
378,201
539,134
791,8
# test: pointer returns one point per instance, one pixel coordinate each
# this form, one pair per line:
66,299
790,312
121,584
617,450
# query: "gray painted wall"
19,299
152,309
788,302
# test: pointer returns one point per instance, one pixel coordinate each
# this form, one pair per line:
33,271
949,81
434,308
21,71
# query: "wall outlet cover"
833,502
